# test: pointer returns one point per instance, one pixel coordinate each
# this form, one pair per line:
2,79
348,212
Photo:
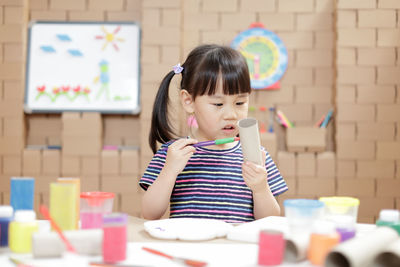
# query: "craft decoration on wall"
266,56
79,66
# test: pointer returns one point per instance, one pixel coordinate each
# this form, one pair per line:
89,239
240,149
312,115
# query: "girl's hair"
201,71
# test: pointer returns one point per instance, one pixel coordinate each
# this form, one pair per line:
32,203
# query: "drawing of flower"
41,88
86,90
77,89
65,89
56,90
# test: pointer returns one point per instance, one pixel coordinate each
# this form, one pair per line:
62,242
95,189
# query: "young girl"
208,182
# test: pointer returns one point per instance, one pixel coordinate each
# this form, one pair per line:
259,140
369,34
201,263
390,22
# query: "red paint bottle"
115,237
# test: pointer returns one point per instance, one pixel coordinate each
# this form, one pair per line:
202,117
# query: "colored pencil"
327,118
187,262
213,142
45,212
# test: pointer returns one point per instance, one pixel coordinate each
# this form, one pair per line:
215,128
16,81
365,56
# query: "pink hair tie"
177,68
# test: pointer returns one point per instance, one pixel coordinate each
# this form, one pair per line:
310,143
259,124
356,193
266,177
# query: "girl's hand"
255,176
178,155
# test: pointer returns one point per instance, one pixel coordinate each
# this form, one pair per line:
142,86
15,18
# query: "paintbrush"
45,212
188,262
213,142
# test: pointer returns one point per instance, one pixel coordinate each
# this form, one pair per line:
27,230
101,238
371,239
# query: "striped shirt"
211,185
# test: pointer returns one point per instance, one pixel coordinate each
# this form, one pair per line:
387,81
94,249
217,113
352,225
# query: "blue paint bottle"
22,193
6,216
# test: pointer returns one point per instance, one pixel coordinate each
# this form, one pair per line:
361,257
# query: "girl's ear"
186,101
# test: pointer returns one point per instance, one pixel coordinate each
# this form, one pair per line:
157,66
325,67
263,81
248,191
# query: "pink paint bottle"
114,237
93,206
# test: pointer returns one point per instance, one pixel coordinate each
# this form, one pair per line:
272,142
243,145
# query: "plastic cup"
340,210
93,206
301,214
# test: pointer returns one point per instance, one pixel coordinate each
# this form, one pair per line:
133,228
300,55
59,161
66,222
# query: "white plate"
189,229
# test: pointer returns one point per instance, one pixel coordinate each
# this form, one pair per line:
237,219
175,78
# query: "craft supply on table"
77,183
271,247
390,218
6,216
63,205
213,142
22,193
114,237
187,262
21,230
189,229
250,140
93,206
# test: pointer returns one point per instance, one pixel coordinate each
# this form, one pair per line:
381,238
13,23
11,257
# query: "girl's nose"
230,112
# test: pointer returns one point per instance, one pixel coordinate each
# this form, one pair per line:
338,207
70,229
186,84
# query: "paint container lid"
388,215
24,216
303,203
96,198
6,211
115,218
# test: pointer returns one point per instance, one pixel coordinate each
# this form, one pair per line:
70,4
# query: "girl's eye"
240,103
218,104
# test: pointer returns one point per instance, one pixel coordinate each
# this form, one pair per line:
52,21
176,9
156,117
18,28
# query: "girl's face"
217,115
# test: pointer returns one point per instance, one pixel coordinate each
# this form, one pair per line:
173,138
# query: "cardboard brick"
70,5
12,165
310,139
31,162
277,21
117,203
363,75
81,124
5,183
356,4
14,52
356,187
38,4
11,108
346,19
90,183
119,184
292,185
356,150
376,56
345,169
269,142
388,37
355,112
51,162
309,94
381,131
306,165
296,6
210,6
70,166
110,162
370,220
286,164
87,15
11,145
388,113
324,39
376,169
316,186
129,162
382,94
296,40
132,204
236,21
324,76
90,166
326,165
171,17
13,127
106,5
387,75
42,183
387,187
388,150
378,18
36,140
314,58
298,76
371,206
346,131
314,22
81,146
161,4
346,56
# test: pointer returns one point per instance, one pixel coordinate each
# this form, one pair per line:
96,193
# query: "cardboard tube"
250,140
360,251
390,257
86,242
296,248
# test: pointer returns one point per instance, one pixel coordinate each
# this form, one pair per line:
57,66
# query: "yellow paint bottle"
21,230
63,205
77,183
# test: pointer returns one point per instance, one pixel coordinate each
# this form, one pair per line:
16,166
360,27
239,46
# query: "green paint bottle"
389,218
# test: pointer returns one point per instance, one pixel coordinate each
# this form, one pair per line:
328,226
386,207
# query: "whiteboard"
83,66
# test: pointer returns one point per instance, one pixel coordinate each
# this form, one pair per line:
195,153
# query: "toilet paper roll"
389,257
86,242
250,140
296,248
360,251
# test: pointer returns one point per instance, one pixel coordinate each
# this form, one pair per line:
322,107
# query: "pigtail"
161,130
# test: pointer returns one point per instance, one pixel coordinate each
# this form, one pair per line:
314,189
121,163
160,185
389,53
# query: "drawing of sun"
110,38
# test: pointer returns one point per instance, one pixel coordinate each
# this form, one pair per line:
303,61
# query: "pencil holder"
77,183
306,139
63,205
115,237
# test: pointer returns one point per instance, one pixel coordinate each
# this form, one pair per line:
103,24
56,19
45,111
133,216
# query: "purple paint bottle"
6,215
345,227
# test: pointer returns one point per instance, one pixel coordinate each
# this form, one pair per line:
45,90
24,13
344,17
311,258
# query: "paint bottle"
6,215
271,247
63,205
21,230
345,227
323,238
391,218
22,193
114,237
77,183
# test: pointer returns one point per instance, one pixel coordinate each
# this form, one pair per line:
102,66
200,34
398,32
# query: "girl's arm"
264,201
155,200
